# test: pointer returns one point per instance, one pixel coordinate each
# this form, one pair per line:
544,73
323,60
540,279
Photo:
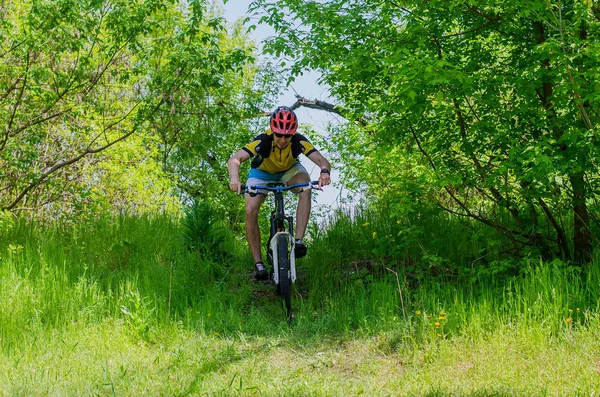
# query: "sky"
306,86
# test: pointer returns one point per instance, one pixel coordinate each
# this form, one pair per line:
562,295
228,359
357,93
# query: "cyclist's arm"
233,167
323,164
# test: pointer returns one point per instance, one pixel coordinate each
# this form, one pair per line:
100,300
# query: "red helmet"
284,121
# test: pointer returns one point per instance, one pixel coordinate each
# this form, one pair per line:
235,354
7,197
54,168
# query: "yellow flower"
569,320
366,224
437,324
441,318
439,335
374,234
442,313
418,312
570,310
398,221
208,314
577,309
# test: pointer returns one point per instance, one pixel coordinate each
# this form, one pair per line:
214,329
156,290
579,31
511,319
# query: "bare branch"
315,104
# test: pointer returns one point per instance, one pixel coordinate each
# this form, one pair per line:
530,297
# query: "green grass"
141,306
105,359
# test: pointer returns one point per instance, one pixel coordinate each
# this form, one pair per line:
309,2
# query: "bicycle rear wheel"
283,263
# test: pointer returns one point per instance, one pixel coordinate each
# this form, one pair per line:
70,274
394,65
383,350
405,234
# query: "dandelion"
570,310
441,318
577,309
442,313
437,324
439,335
374,234
366,224
569,320
418,312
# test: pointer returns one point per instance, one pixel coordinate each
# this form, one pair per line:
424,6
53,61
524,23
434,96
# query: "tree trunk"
582,247
582,239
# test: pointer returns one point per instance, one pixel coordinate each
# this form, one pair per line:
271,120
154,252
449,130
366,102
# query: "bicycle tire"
283,263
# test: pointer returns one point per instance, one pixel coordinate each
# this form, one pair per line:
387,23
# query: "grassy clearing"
161,307
106,359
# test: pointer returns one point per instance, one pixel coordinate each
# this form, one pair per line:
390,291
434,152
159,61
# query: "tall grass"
419,279
425,278
140,270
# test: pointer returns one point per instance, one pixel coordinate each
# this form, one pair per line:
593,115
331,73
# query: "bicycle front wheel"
283,263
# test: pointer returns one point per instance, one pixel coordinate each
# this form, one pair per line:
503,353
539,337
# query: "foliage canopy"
158,82
495,103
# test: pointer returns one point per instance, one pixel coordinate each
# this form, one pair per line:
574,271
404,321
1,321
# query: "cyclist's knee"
252,209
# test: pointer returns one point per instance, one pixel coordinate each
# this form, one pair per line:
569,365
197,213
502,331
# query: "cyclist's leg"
304,202
252,230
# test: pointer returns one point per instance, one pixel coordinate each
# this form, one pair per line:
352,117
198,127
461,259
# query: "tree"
80,77
499,98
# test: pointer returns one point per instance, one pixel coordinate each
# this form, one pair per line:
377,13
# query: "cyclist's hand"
235,186
324,180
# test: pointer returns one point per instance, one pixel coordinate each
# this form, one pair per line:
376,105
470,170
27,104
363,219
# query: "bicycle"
282,242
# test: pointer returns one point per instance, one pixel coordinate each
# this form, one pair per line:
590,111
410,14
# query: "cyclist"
275,159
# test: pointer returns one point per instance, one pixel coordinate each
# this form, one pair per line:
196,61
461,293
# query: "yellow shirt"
269,158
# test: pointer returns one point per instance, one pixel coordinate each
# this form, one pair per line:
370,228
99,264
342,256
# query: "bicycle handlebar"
282,188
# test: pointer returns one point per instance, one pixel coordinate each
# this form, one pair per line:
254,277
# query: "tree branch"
562,237
315,104
17,104
482,173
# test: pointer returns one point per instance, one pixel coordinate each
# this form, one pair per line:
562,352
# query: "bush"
205,230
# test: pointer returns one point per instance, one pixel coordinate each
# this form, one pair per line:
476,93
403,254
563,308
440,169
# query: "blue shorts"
257,177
